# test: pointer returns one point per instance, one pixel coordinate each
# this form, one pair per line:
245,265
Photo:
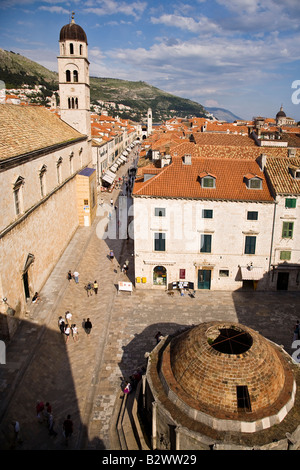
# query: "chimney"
292,153
262,160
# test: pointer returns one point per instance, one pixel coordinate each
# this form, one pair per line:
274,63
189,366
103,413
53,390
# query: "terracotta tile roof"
228,151
205,138
280,176
29,128
179,180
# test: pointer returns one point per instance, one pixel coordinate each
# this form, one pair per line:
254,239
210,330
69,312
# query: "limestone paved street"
83,378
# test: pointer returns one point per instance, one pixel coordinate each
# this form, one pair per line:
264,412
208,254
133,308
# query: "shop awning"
123,158
109,177
114,167
251,274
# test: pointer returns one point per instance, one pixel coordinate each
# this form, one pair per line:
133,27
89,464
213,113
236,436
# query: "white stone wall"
30,171
183,226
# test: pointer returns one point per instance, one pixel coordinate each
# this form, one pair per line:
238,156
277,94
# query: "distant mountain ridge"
16,70
223,114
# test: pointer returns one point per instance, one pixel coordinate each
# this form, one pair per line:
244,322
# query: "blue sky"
242,55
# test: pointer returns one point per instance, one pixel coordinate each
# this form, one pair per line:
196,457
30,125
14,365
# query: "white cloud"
111,7
186,23
55,9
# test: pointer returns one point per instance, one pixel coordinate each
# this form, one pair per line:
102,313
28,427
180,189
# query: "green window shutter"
252,215
250,244
207,214
205,244
287,229
290,203
285,255
159,242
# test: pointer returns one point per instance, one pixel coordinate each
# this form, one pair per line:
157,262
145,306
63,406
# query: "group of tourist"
67,327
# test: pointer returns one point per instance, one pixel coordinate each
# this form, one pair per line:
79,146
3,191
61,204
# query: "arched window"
160,276
68,76
75,76
80,49
42,176
58,170
18,196
71,48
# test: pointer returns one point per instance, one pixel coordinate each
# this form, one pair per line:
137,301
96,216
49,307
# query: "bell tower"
149,122
73,75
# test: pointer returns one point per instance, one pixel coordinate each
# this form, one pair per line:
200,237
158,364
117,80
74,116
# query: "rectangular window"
290,203
160,242
207,213
287,229
252,215
243,398
250,244
285,255
205,244
208,182
224,273
255,183
160,212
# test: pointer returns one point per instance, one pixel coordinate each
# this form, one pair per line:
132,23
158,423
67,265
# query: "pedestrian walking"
36,298
67,429
67,333
68,316
76,276
47,410
296,331
111,202
74,332
17,433
88,287
96,287
69,275
61,324
88,326
52,432
39,410
111,255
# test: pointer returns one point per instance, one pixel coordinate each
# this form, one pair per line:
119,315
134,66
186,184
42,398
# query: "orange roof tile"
179,180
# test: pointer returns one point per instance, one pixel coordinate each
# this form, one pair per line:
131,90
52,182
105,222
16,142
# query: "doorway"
204,278
282,281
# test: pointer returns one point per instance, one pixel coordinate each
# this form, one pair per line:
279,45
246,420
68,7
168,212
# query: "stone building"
203,222
221,386
283,174
44,192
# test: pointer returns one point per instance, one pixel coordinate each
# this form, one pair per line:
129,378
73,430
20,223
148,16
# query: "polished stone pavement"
83,378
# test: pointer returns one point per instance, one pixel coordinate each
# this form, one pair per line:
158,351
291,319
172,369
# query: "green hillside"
16,70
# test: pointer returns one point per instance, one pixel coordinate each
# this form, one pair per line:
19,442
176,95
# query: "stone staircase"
128,427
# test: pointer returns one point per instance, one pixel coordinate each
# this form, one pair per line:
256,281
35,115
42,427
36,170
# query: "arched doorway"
160,276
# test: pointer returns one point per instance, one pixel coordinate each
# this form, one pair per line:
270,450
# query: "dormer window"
207,180
295,172
253,181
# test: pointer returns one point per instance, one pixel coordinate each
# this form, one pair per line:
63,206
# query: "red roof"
179,180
